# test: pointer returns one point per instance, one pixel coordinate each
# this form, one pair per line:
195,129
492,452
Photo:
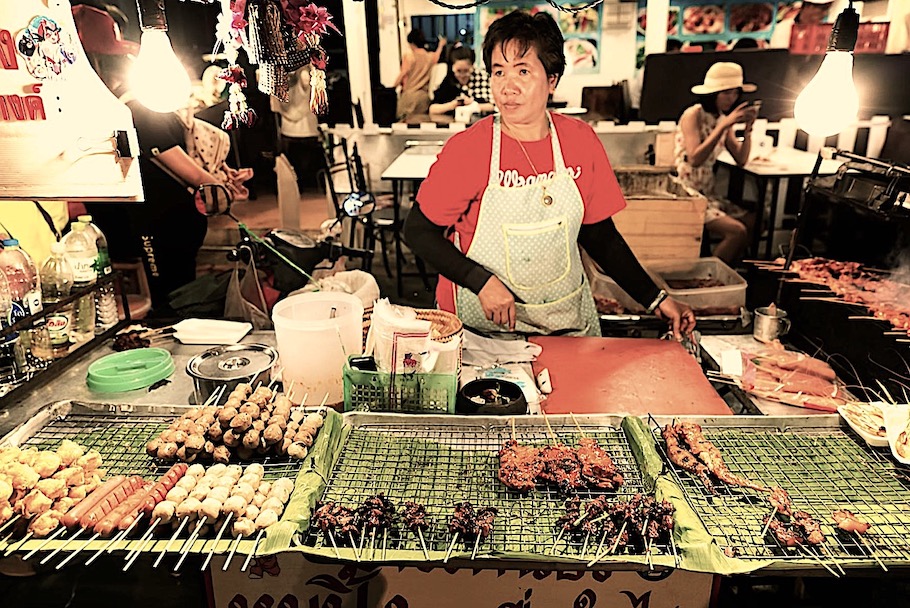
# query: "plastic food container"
129,370
230,365
727,298
316,333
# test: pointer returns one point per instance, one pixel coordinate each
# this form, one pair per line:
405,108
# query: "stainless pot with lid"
230,365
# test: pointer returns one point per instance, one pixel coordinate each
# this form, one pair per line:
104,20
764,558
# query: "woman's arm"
441,45
698,150
180,163
428,241
444,107
740,150
606,246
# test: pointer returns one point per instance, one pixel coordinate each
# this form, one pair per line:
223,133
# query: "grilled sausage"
163,486
110,501
110,522
72,517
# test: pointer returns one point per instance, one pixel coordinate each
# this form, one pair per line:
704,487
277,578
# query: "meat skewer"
415,520
227,520
60,530
849,522
685,459
711,456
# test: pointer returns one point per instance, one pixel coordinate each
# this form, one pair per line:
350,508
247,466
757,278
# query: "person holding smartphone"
704,130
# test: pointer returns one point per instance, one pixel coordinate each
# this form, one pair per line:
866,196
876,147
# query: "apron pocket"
565,315
537,254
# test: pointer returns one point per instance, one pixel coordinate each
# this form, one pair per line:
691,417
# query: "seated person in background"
463,85
704,131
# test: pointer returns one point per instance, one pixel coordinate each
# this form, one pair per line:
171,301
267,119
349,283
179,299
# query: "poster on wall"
580,29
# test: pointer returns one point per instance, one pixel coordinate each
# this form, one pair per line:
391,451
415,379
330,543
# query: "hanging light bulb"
158,80
830,103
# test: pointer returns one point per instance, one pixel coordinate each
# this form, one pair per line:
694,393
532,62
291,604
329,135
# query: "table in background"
784,163
411,166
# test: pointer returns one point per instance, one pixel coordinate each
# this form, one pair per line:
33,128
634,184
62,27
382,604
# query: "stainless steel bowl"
230,365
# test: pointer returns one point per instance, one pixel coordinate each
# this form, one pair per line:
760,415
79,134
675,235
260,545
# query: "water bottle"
8,367
82,254
106,315
56,283
21,275
25,296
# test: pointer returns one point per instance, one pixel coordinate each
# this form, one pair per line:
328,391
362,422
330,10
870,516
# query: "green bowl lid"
129,370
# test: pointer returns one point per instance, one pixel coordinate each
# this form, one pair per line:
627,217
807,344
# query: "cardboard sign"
63,134
292,581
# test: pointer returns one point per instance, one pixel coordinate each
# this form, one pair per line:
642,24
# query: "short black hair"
461,52
417,38
709,102
525,30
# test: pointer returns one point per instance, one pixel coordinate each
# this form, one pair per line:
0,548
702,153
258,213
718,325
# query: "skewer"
885,390
556,542
385,541
818,559
290,387
76,552
354,546
823,299
126,532
423,545
373,544
553,436
584,546
768,523
870,550
6,538
512,421
331,537
19,545
171,541
195,534
578,426
673,549
142,539
476,546
603,539
249,557
146,538
865,318
10,522
53,536
231,553
324,400
218,536
618,537
363,534
48,557
451,548
107,547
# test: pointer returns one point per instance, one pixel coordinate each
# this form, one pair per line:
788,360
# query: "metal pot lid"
232,362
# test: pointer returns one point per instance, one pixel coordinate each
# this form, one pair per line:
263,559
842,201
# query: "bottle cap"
77,226
85,219
58,247
10,242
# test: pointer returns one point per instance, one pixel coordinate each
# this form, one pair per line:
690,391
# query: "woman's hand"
498,303
743,113
680,317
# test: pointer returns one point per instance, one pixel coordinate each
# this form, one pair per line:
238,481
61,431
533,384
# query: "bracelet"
661,296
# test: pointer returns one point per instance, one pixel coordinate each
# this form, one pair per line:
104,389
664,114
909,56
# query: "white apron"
532,248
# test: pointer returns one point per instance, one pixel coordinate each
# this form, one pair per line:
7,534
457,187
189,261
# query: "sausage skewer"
116,539
171,541
47,540
142,544
143,539
77,551
48,557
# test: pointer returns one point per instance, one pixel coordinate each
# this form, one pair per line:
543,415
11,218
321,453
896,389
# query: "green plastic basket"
416,393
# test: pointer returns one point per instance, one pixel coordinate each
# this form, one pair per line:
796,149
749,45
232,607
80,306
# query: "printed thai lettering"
397,602
8,51
524,603
14,107
585,599
644,601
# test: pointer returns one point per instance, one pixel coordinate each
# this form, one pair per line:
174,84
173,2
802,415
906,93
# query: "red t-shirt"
452,192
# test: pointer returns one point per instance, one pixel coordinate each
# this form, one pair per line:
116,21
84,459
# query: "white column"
355,28
656,30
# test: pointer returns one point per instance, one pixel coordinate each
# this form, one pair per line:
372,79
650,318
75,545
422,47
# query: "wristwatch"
661,296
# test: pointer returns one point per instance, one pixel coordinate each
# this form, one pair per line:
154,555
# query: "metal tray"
442,460
823,465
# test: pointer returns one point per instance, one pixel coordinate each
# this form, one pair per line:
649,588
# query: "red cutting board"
636,376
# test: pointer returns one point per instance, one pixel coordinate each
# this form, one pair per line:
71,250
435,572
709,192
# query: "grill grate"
121,439
441,465
823,469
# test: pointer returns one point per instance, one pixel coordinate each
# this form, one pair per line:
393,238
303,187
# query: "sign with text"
292,581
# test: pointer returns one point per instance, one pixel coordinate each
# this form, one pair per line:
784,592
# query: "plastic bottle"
22,276
7,343
106,315
81,253
56,284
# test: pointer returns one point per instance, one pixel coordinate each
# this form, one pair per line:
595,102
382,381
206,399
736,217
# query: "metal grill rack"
823,470
121,439
439,465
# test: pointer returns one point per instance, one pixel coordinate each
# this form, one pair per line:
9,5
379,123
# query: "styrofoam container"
731,294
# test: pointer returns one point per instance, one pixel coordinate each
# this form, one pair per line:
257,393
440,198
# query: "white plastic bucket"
316,332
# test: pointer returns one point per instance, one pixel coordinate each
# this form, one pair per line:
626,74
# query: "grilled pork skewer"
711,456
849,522
685,459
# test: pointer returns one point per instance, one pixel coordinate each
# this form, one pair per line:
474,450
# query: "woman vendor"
517,193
